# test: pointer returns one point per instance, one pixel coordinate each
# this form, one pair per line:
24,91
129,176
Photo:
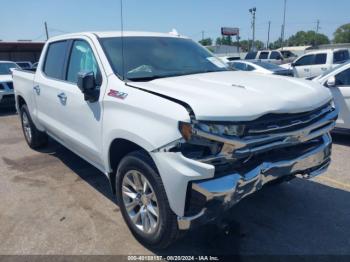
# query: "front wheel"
143,201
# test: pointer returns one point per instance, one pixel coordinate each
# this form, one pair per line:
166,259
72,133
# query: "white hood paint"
5,78
240,96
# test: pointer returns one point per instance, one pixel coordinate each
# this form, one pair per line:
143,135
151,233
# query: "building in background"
21,51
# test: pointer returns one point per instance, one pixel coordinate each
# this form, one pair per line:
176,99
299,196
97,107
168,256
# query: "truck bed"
23,82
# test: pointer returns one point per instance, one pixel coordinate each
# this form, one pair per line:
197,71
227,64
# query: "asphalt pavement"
53,202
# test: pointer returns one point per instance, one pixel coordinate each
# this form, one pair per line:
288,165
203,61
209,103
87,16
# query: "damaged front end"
248,155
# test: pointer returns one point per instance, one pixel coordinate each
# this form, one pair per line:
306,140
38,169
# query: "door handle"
63,98
306,70
37,89
323,68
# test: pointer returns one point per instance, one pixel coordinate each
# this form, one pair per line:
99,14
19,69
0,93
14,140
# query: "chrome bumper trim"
222,193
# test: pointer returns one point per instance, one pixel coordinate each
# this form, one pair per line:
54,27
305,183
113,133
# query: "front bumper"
212,197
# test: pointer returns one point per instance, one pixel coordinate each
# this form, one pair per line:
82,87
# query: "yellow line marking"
333,181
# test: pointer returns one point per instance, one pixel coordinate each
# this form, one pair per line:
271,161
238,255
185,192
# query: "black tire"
37,139
167,230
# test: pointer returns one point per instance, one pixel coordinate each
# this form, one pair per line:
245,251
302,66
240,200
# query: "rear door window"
251,55
264,55
320,59
340,57
276,56
55,59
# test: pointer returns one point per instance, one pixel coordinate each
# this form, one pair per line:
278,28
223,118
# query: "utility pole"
317,29
253,12
268,36
281,37
318,26
203,35
284,24
46,31
238,48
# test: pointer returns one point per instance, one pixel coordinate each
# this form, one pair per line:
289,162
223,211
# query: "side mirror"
331,82
87,85
293,64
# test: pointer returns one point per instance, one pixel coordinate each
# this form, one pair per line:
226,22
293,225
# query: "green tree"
246,45
224,40
277,44
259,45
307,38
342,34
206,41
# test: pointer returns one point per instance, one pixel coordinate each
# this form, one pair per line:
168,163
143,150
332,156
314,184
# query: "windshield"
148,58
5,68
268,66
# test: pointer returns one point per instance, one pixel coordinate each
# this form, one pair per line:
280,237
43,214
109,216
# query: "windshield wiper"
153,77
144,78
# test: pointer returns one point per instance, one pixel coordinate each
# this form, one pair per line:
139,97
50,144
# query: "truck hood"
240,96
5,78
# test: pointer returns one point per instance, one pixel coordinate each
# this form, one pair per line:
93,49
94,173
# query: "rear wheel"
143,202
35,138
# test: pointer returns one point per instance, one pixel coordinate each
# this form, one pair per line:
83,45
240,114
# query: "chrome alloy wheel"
140,201
26,127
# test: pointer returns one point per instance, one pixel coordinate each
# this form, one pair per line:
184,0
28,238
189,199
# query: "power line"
57,30
39,37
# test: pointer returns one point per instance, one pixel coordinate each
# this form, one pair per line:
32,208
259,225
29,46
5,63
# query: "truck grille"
278,123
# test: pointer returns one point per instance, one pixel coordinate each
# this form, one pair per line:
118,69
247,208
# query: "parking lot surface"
53,202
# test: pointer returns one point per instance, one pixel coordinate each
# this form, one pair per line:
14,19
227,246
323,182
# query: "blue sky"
23,19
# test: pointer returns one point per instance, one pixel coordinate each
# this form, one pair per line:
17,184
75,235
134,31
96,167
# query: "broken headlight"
221,129
198,146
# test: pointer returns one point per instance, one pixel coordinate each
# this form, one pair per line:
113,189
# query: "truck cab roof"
107,34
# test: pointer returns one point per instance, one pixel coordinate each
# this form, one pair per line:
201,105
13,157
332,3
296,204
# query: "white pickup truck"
179,136
316,63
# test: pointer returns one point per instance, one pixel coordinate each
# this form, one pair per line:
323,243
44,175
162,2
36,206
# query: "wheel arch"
20,101
118,149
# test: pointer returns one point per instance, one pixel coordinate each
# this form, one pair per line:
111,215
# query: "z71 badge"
117,94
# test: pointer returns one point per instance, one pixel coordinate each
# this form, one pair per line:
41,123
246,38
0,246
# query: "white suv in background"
274,56
315,63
